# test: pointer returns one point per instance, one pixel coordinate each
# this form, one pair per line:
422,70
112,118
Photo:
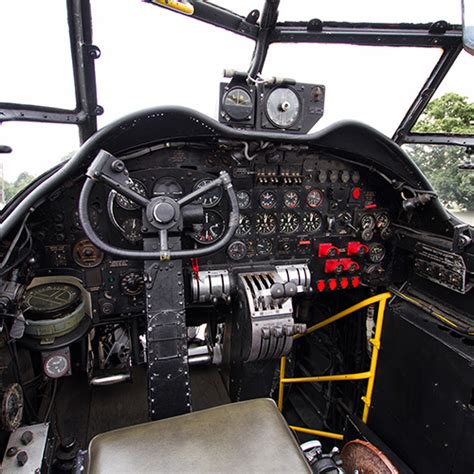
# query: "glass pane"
374,85
37,147
455,186
420,11
451,110
168,59
35,54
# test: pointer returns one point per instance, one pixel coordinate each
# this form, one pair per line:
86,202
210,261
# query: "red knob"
355,282
321,285
344,283
332,284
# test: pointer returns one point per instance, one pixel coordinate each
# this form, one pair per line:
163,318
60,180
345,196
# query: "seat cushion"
250,437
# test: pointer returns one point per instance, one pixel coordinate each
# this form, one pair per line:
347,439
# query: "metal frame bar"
381,299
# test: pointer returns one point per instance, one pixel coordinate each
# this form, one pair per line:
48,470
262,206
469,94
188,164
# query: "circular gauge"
51,299
382,221
237,104
367,234
283,107
333,176
86,254
268,199
168,186
132,284
237,250
244,225
265,223
376,252
56,366
264,247
243,199
315,198
93,217
11,413
386,233
212,197
345,176
322,176
126,203
289,222
132,229
311,221
210,230
291,199
367,222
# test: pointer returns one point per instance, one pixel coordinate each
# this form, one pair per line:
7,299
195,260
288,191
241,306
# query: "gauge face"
212,197
322,176
51,298
126,203
345,176
237,250
244,225
314,198
168,186
87,255
283,107
382,220
367,234
132,284
291,199
56,366
237,104
12,406
265,223
311,221
210,230
268,199
376,252
263,247
367,222
243,199
132,229
289,222
333,176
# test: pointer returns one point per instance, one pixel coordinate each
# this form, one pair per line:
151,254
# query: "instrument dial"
210,230
132,284
243,199
265,223
51,298
132,229
345,176
311,221
264,247
167,186
367,222
244,225
382,220
376,252
126,203
367,234
268,199
212,197
291,199
237,250
315,198
237,104
56,366
289,222
283,107
87,255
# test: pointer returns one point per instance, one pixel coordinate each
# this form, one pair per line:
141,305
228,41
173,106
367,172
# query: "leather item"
249,436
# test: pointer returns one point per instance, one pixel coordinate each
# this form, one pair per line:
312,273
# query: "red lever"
327,250
356,248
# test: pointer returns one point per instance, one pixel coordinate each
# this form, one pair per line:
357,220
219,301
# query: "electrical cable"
51,403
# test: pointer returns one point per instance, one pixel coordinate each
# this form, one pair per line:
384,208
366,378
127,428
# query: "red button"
356,193
344,283
321,285
332,284
355,282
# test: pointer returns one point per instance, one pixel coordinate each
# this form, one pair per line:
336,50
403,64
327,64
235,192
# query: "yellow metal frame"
381,299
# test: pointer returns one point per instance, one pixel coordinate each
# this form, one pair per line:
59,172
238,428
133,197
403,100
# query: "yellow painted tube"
177,5
346,312
328,378
324,434
280,388
374,359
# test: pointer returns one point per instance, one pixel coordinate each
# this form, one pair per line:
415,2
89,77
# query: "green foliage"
11,189
450,113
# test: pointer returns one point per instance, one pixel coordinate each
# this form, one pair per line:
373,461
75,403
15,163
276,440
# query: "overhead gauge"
289,222
311,221
314,198
212,197
238,104
243,199
244,225
268,199
291,199
283,107
237,250
265,223
126,203
210,230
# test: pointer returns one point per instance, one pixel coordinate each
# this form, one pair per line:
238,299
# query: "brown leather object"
365,458
250,437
